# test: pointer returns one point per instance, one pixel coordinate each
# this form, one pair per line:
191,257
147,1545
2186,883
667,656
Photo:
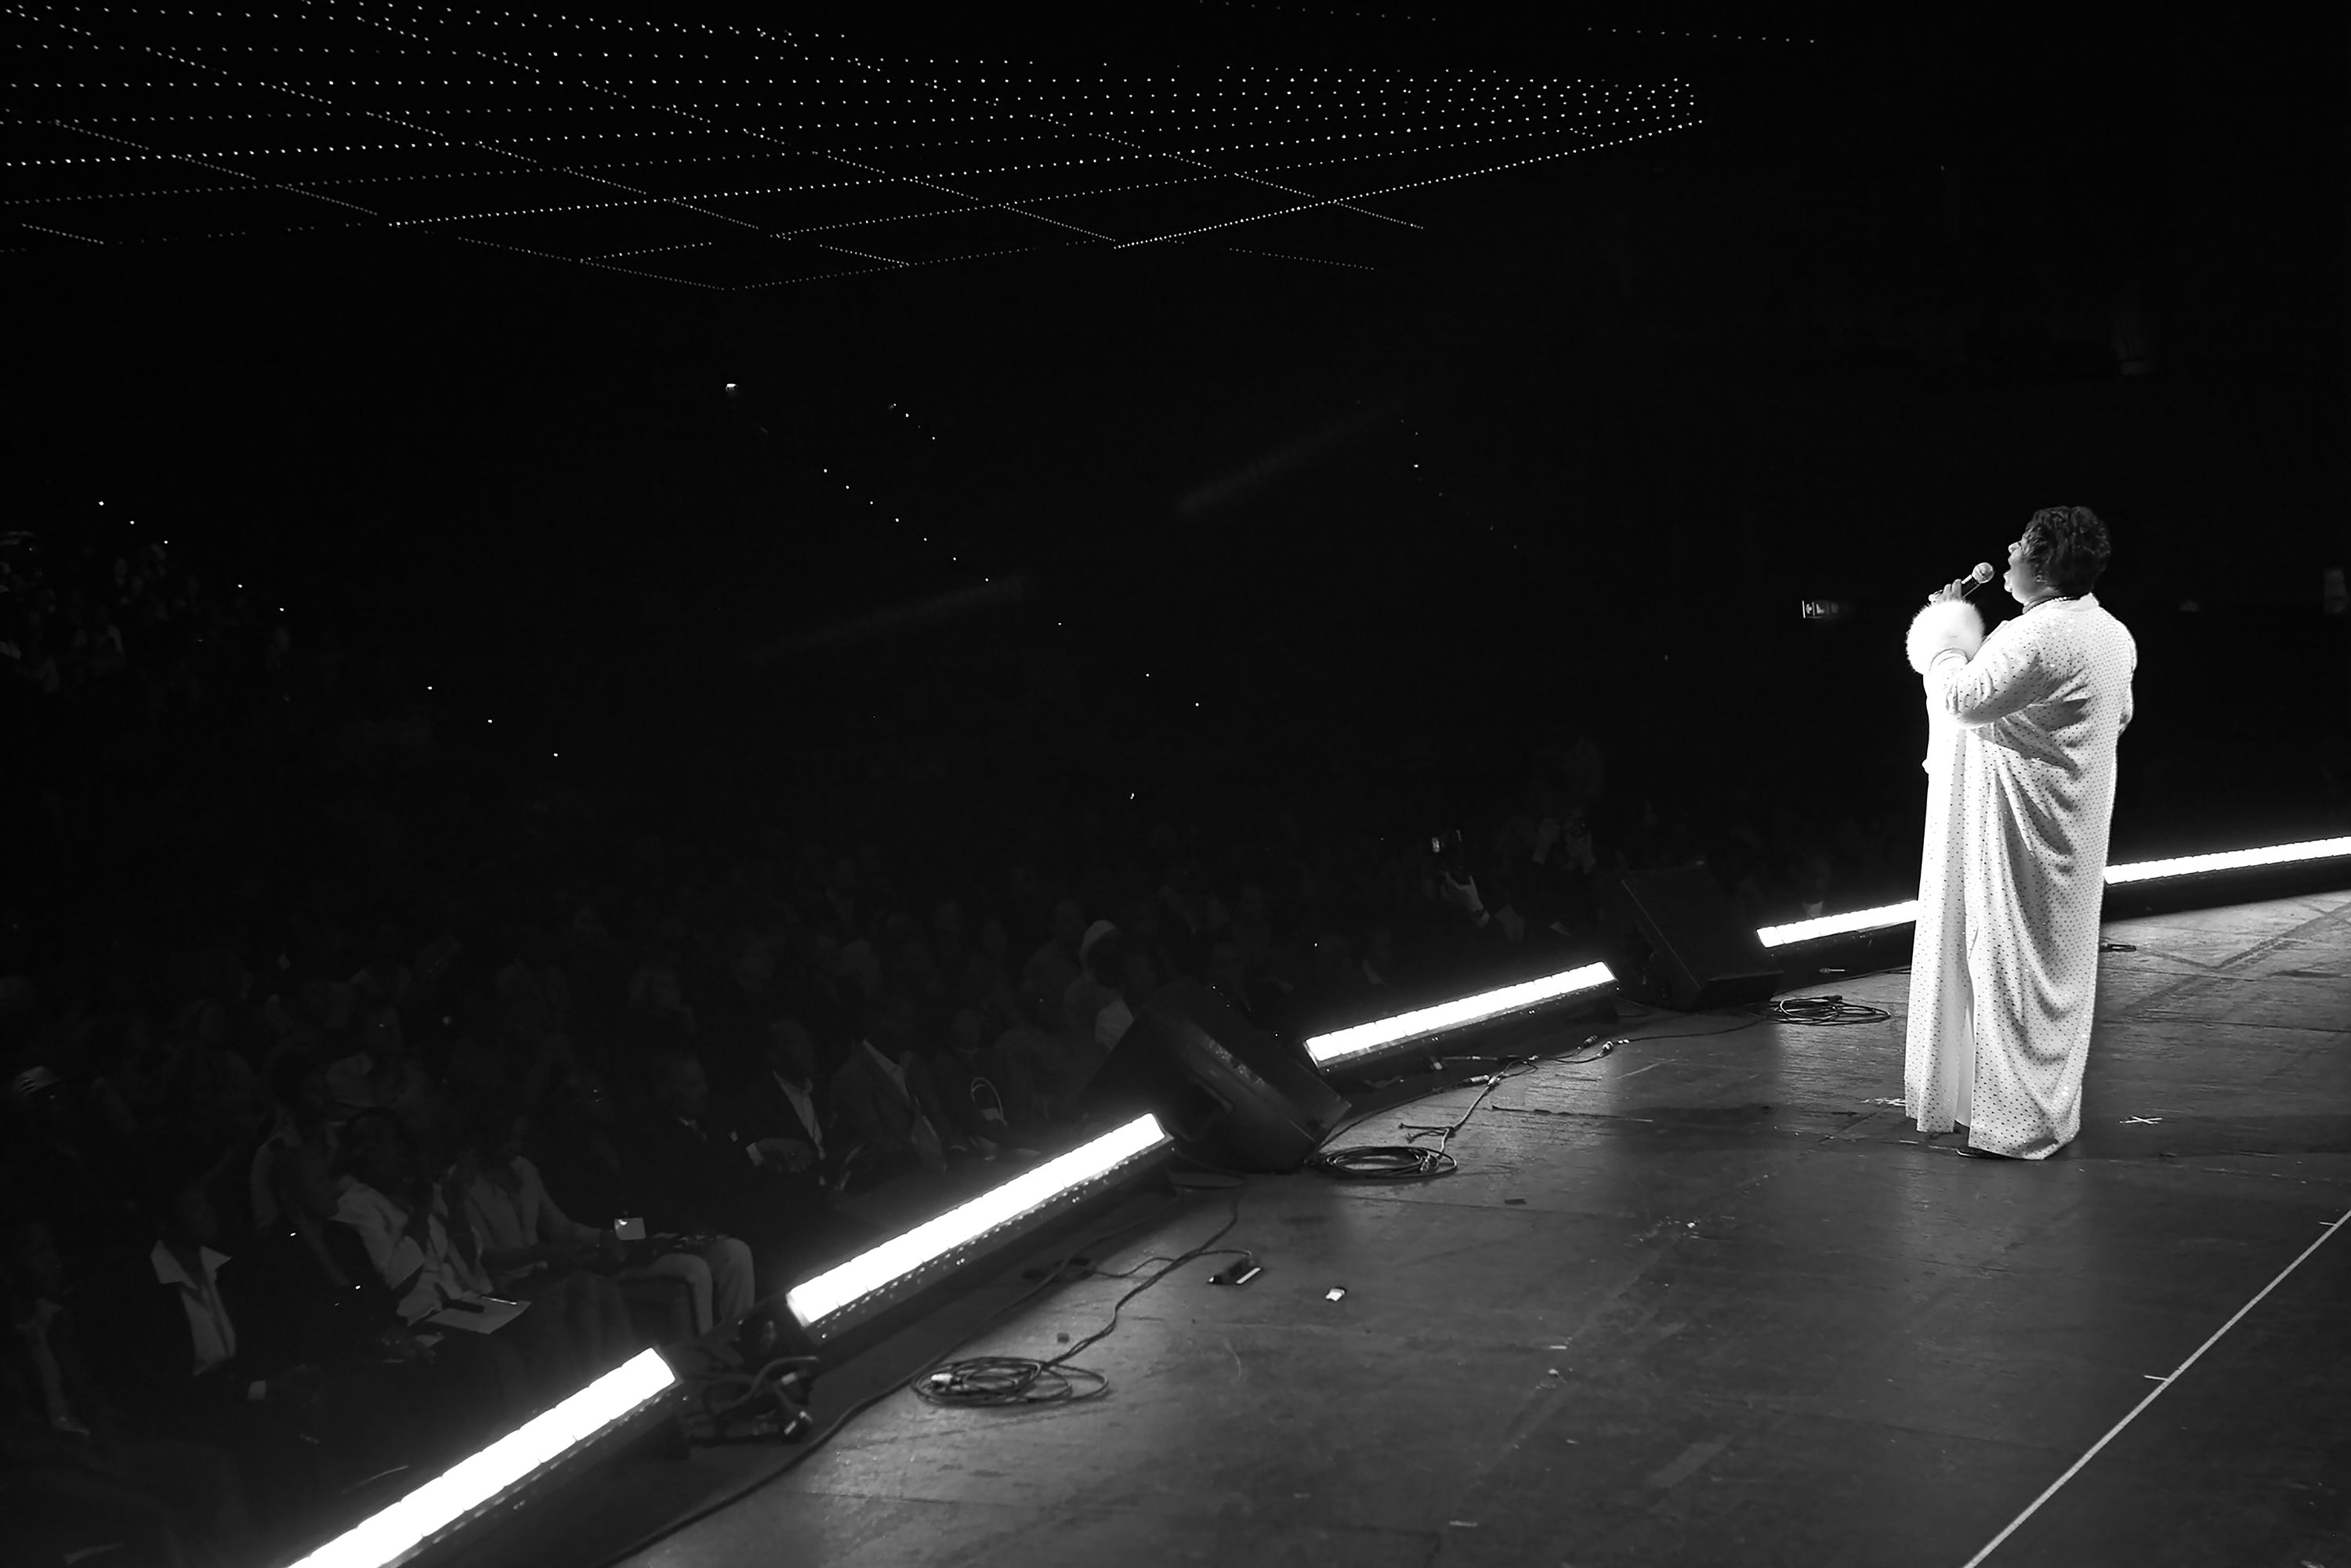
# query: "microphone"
1976,578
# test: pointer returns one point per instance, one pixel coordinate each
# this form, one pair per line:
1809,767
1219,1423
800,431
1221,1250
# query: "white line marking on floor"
2153,1394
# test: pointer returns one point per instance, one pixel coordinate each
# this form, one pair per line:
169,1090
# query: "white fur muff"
1952,623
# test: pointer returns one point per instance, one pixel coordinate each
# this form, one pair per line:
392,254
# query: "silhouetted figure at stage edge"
2021,731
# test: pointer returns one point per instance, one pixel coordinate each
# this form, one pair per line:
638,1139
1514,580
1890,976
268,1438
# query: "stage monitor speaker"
1223,1087
1693,952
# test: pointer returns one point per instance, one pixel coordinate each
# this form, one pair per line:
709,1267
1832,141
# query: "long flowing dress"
2019,796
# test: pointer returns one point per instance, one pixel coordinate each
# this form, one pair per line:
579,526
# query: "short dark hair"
496,1115
667,1059
289,1073
160,1186
2068,546
357,1130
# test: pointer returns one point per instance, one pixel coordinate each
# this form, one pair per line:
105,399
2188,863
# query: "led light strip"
471,1483
1839,924
829,1294
1347,1044
2117,875
2232,860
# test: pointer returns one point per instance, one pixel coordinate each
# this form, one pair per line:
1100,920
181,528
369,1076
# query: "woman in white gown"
2021,727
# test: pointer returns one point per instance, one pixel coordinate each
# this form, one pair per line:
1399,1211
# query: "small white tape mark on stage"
1682,1469
2330,1227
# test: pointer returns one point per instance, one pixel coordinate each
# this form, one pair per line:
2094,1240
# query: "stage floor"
1705,1301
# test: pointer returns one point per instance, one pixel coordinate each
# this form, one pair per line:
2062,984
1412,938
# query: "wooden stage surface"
1704,1301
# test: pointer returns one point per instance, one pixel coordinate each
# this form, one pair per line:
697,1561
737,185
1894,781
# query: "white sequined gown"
2019,795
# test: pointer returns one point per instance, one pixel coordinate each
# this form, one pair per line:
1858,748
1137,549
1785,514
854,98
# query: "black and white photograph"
1340,784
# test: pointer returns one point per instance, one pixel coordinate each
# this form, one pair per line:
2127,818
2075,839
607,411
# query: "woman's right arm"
395,1256
2006,676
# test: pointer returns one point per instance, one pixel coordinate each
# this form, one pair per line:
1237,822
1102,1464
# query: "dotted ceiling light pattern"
724,157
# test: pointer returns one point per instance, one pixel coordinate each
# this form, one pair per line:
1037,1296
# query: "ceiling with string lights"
731,156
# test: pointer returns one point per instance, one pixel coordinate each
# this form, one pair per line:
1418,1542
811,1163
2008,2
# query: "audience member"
71,1474
68,1154
1229,977
582,1154
402,1221
1048,1070
702,1176
659,1016
533,1251
975,1084
1138,982
789,1093
302,1117
888,1099
1057,963
185,1355
380,1072
1103,953
535,1001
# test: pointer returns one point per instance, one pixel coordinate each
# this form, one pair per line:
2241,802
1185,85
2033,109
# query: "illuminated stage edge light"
1348,1047
841,1297
2117,875
396,1533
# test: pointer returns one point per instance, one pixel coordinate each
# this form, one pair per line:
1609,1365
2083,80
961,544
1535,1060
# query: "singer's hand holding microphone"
1959,587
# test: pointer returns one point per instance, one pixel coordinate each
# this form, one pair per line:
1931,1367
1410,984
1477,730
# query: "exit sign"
1827,609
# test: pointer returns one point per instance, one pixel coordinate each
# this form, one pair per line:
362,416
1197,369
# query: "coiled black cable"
1826,1012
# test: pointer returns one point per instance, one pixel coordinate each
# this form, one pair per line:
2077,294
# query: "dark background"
1564,460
